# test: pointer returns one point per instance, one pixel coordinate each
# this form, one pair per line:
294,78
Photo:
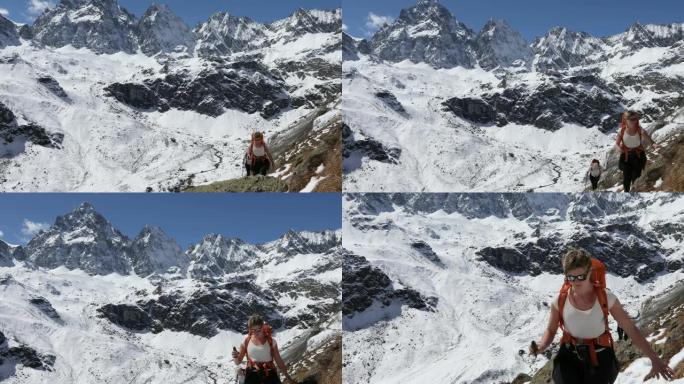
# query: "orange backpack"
267,367
597,276
623,147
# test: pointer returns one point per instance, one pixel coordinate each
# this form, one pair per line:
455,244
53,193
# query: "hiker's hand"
660,369
235,354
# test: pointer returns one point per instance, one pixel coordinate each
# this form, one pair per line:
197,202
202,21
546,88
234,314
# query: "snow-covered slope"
102,317
447,288
513,117
149,104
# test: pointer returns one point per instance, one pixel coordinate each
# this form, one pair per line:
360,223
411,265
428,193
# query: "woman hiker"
586,355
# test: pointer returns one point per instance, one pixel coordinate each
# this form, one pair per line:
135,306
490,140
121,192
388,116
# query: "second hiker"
594,174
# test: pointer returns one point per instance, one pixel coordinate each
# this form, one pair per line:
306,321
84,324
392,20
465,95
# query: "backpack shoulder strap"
272,347
562,297
247,339
602,297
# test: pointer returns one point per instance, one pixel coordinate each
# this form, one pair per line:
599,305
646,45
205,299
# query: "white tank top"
260,353
585,324
259,151
631,141
595,170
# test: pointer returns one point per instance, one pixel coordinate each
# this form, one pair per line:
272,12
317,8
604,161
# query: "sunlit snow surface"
444,153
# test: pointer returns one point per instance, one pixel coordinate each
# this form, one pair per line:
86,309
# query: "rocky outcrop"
44,306
53,86
368,147
640,256
245,86
11,131
8,33
363,285
581,100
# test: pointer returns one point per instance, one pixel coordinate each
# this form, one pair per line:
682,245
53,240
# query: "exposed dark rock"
8,33
391,101
28,357
368,148
26,32
53,86
364,284
44,305
202,313
246,86
471,109
425,250
135,95
641,256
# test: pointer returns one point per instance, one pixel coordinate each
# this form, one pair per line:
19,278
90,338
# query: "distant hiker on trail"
262,355
594,174
630,143
258,159
586,353
621,334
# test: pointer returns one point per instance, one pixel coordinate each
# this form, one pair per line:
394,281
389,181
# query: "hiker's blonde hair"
576,258
255,320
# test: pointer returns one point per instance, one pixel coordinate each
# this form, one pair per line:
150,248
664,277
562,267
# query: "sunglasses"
633,119
256,330
581,277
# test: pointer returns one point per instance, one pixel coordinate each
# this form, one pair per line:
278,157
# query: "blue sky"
255,218
532,18
193,12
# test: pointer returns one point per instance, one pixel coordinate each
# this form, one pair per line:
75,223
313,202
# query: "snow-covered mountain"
447,288
426,32
83,303
161,30
498,44
82,239
153,251
158,105
100,25
8,33
433,106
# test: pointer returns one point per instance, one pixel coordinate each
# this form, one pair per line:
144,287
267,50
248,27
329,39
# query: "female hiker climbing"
630,143
262,355
586,354
258,158
594,174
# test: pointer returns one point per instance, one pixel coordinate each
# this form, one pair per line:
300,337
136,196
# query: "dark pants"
569,368
261,166
631,167
248,167
594,182
258,377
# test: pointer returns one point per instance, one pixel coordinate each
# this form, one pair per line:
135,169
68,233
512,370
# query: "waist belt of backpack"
266,366
626,150
602,341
